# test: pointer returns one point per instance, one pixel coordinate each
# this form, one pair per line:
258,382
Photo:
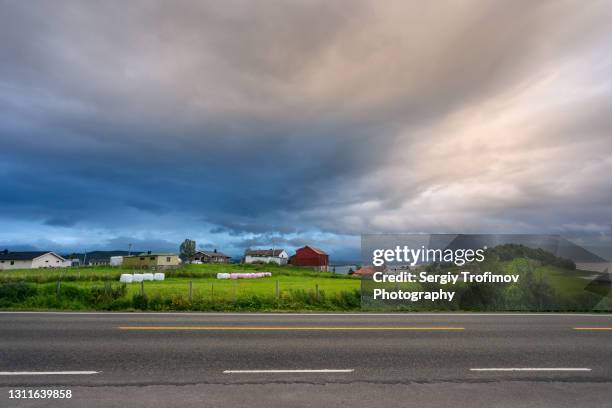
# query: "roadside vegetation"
547,283
193,287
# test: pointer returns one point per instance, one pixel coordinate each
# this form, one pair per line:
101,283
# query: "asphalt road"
165,360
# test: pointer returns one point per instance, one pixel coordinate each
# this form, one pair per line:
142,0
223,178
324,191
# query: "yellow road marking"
592,328
281,328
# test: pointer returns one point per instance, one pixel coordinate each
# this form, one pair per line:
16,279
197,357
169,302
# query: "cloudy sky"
242,123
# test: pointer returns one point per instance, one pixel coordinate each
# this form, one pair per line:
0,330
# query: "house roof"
24,256
263,252
365,270
151,254
212,253
317,250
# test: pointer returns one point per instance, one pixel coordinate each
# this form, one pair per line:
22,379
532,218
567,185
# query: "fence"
274,294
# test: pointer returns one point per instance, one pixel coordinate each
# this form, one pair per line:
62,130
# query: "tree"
188,249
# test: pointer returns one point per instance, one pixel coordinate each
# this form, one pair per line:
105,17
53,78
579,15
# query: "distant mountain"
554,244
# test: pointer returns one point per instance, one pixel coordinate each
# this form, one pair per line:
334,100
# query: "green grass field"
202,277
210,287
294,288
562,280
289,288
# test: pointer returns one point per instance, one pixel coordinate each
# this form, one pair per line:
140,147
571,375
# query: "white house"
279,256
31,260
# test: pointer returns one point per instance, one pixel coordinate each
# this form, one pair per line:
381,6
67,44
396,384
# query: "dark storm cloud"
60,222
298,118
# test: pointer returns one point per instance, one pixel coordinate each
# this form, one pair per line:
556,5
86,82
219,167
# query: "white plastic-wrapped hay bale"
234,275
268,274
137,277
126,278
159,276
223,276
259,275
148,276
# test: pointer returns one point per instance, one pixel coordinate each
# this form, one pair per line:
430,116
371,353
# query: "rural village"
308,257
189,279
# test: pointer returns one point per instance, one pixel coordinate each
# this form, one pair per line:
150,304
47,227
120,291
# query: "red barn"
311,257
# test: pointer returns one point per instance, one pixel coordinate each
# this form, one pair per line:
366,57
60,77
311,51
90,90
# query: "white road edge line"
532,369
49,372
286,371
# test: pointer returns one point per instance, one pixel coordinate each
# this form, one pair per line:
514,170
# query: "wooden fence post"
142,292
277,290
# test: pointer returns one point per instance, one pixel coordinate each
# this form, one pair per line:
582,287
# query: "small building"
214,257
278,256
74,262
151,260
116,260
365,271
31,260
310,257
100,258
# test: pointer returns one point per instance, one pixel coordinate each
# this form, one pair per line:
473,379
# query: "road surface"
318,360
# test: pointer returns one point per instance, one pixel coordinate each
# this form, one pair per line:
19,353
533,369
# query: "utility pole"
129,249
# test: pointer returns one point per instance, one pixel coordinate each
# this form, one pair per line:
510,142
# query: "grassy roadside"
193,287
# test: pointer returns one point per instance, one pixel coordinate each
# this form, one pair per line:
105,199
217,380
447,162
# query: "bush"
11,293
106,293
140,302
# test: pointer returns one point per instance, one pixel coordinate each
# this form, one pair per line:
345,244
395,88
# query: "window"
167,259
12,262
152,258
142,258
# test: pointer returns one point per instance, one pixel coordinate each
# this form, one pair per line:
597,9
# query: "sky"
282,123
